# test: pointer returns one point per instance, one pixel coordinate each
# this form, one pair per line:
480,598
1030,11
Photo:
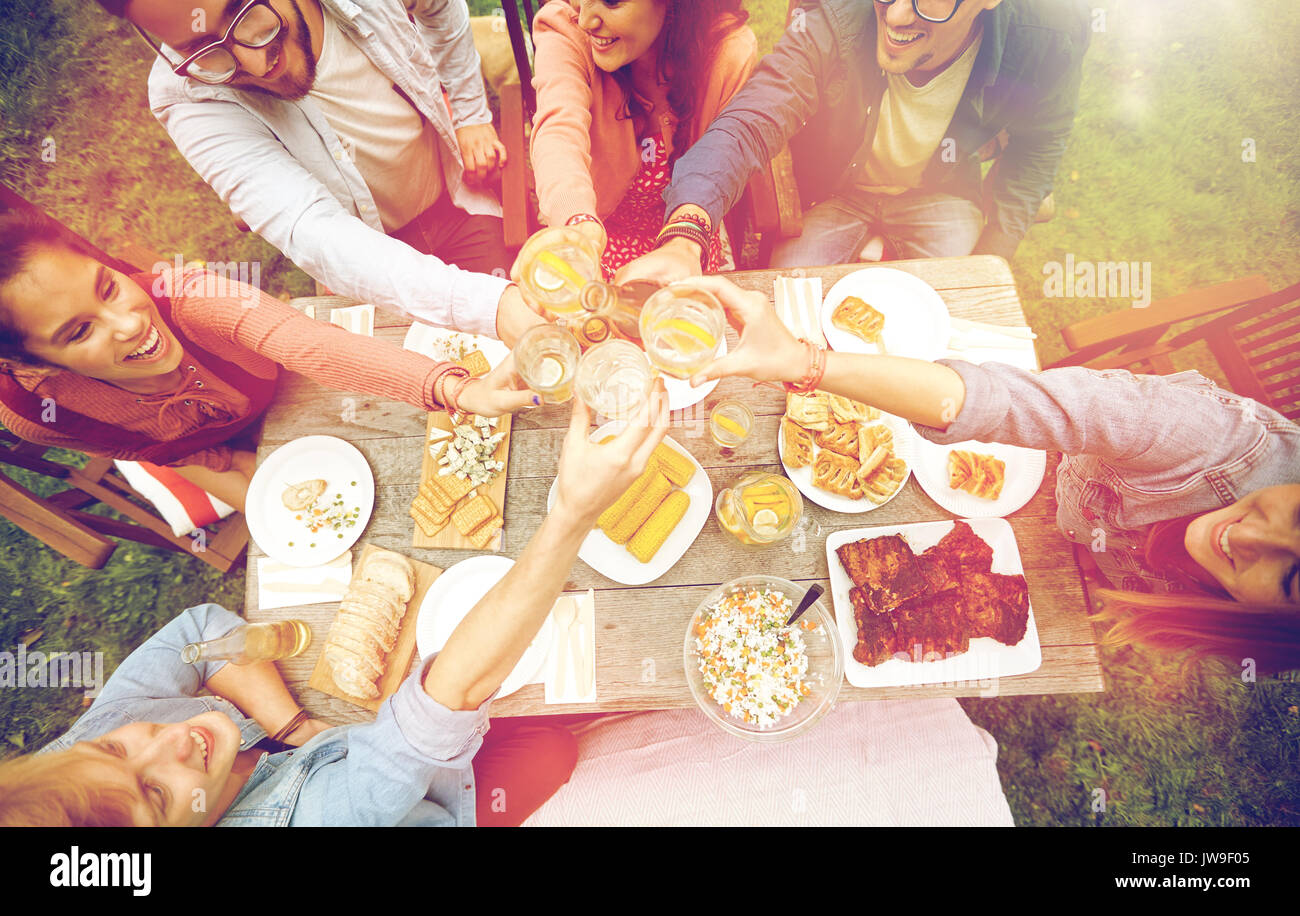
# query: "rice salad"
754,666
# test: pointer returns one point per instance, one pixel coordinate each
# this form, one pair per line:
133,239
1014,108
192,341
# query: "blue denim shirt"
283,170
821,87
410,767
1138,449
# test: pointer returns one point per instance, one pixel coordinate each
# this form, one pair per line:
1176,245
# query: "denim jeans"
915,225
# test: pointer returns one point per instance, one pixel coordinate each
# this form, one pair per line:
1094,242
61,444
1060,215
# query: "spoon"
809,597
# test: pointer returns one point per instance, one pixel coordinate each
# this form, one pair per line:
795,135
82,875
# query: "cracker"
427,517
450,486
473,513
475,363
481,536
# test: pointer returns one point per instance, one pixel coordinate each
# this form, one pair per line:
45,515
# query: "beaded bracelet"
583,218
816,369
291,726
688,231
694,218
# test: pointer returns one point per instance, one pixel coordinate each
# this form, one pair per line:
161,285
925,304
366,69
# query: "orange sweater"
577,121
255,331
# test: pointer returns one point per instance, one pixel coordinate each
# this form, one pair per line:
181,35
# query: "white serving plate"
1024,475
272,526
982,664
451,597
614,561
803,477
916,318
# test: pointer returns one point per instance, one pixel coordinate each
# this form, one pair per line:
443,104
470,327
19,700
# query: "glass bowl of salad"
753,675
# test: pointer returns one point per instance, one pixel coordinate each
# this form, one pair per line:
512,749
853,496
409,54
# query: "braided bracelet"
816,369
452,395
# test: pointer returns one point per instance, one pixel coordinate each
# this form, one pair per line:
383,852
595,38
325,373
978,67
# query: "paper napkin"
279,585
569,653
443,344
799,306
359,319
977,342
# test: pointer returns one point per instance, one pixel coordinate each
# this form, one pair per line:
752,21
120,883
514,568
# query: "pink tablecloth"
886,763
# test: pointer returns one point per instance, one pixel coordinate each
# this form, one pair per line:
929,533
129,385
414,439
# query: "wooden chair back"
1253,334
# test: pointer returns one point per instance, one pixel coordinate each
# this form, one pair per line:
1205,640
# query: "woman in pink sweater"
177,369
623,89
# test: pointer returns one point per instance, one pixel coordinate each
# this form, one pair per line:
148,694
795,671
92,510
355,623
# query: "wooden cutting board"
399,660
449,536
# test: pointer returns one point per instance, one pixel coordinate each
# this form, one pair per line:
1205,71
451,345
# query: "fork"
564,612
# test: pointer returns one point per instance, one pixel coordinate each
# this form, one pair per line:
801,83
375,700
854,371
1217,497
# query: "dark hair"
21,236
692,32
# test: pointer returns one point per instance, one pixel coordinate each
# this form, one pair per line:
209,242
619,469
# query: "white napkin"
279,585
359,319
799,306
584,626
443,344
978,342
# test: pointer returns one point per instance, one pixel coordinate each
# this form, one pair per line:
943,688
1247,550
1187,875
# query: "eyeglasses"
931,10
255,26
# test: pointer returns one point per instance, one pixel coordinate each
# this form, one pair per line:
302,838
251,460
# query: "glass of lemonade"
759,509
682,328
614,379
730,423
554,265
547,360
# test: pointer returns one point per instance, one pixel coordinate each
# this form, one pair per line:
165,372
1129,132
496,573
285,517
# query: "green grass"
1154,173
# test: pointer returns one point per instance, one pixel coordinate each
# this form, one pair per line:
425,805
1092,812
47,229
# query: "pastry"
858,318
839,437
847,410
977,474
836,473
811,411
797,447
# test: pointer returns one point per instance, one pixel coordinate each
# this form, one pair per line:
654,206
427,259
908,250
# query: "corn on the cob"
672,464
609,518
655,531
645,505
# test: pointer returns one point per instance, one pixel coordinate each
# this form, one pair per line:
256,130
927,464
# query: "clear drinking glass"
547,359
252,642
554,266
614,379
682,328
730,423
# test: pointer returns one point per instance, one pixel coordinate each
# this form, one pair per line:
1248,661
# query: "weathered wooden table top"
641,630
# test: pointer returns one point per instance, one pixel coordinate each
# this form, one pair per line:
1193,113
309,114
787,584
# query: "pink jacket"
577,119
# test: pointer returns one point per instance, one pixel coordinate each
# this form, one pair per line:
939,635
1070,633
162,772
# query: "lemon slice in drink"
552,273
689,328
729,425
549,372
766,522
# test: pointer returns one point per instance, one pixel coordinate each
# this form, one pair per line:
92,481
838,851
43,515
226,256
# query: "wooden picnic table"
641,629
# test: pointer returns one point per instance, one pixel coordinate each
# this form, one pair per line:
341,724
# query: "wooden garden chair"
61,521
1255,338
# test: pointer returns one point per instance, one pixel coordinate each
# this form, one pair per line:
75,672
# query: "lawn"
1183,157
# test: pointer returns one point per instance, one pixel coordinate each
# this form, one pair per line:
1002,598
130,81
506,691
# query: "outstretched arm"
489,642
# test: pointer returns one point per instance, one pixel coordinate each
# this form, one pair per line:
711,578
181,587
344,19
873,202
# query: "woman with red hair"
624,87
1188,495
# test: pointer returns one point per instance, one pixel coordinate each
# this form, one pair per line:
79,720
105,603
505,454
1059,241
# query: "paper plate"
916,319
